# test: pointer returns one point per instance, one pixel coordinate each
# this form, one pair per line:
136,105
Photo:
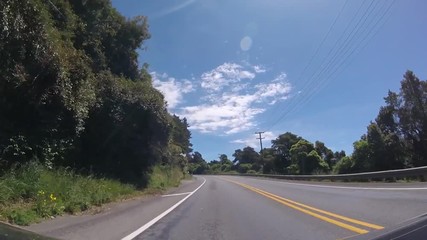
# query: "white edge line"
156,219
342,187
176,194
414,230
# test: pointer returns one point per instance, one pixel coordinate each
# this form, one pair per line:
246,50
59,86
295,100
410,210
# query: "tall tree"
268,160
247,155
325,153
360,156
282,146
197,158
223,159
299,153
377,148
413,116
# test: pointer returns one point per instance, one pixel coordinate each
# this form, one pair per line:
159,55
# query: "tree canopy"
398,136
72,92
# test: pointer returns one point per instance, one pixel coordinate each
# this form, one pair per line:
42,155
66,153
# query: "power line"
335,51
340,51
56,8
335,65
313,56
337,68
341,55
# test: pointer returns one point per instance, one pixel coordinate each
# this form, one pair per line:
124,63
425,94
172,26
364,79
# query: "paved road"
228,207
248,208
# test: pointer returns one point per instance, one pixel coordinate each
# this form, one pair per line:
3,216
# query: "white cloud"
259,69
232,113
224,75
252,140
228,103
278,89
234,109
172,89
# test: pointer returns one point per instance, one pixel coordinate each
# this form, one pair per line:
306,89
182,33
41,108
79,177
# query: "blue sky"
319,69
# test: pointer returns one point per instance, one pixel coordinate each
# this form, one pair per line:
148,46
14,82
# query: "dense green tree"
315,163
398,137
360,156
46,88
198,168
325,153
299,152
197,158
72,92
244,167
412,113
387,121
282,146
247,155
268,160
344,165
181,135
223,159
377,148
339,155
127,132
305,159
197,164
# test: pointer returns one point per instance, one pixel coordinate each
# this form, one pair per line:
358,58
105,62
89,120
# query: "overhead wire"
339,53
307,83
342,54
313,56
338,68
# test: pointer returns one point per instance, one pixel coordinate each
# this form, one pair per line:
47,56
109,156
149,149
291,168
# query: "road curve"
230,207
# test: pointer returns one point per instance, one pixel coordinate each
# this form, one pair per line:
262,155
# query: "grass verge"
164,177
33,192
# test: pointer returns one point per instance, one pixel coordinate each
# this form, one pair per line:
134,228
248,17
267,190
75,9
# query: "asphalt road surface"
231,207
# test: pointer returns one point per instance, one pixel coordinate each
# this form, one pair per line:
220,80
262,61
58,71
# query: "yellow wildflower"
52,197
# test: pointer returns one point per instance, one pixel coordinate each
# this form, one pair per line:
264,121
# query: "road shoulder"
114,220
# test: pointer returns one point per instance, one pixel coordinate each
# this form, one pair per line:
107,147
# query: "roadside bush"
344,165
163,177
31,191
244,167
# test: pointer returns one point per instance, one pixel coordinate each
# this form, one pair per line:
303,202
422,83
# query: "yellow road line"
300,207
365,224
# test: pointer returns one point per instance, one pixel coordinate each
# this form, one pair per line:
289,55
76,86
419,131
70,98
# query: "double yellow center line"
337,219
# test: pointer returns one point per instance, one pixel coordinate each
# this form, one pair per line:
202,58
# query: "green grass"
33,192
163,177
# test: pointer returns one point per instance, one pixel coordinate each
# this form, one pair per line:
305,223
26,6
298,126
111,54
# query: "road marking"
304,208
351,188
370,225
156,219
176,194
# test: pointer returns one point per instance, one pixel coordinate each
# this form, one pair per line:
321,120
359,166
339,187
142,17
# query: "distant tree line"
73,94
396,139
289,154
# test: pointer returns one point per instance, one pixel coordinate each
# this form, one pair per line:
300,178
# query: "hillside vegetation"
77,109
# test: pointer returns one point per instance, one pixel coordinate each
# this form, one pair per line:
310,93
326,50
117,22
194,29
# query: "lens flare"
246,43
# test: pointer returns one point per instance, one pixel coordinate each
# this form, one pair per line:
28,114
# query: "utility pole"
260,139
